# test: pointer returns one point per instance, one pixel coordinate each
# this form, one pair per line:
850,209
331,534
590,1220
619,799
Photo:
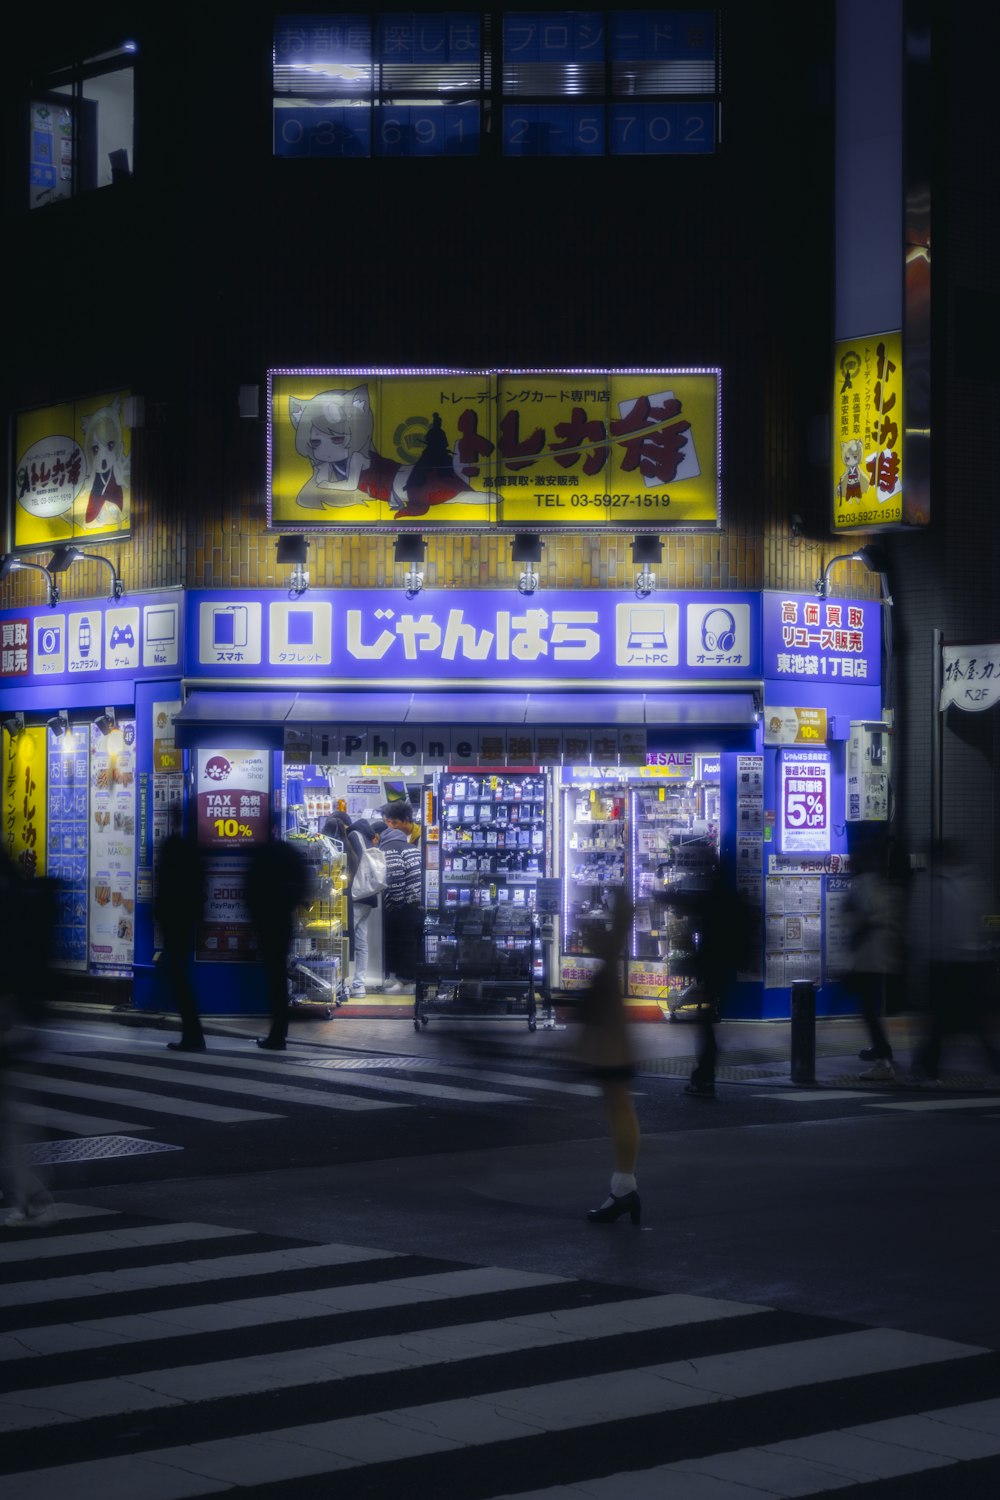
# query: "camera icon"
49,640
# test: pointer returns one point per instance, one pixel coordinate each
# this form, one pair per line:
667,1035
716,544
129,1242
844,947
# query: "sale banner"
804,802
233,798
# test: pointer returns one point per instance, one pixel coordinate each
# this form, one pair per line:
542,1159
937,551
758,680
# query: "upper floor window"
80,127
520,83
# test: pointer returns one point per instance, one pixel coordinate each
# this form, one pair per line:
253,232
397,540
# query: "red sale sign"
804,801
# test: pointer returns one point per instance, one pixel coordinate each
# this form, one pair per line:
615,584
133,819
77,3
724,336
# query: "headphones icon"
718,630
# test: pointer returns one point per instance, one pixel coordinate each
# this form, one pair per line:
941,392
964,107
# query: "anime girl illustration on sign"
334,431
853,482
107,466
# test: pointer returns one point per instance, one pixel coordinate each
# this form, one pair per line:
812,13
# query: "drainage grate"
93,1148
375,1062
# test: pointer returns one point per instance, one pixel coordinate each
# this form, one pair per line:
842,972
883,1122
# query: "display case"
674,845
593,825
318,955
481,939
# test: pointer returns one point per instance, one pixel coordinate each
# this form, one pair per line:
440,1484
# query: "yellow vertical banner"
24,799
868,432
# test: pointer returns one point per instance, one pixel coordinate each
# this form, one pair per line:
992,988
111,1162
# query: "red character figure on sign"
518,453
580,436
471,446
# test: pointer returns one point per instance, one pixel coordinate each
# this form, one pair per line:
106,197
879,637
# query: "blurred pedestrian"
875,917
721,928
178,907
26,923
277,882
402,903
360,842
962,968
606,1053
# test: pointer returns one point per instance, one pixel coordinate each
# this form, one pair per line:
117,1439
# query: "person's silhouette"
180,890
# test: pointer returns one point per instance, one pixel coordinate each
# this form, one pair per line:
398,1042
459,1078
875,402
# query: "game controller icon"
122,635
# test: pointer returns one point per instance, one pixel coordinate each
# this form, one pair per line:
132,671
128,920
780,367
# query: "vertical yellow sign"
24,797
868,433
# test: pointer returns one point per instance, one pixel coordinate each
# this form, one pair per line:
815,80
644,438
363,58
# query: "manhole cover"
93,1148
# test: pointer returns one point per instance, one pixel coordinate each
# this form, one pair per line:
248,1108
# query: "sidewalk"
750,1051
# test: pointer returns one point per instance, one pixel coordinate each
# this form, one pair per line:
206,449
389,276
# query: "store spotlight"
105,722
527,548
59,724
11,564
412,549
14,725
874,560
646,550
65,556
295,550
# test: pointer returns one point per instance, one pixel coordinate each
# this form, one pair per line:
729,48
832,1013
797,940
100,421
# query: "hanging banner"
24,795
68,768
72,474
454,449
112,847
233,795
868,432
970,677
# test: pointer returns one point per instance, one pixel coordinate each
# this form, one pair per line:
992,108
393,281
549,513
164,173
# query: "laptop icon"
648,628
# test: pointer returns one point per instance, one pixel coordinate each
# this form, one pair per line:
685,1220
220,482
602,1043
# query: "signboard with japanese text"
225,933
112,848
24,797
868,433
15,648
140,635
804,801
69,813
455,635
823,640
72,472
794,726
461,449
233,798
970,677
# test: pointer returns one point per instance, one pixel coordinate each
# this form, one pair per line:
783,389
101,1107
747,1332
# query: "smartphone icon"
229,625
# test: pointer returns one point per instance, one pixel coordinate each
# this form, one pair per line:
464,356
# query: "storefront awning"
687,710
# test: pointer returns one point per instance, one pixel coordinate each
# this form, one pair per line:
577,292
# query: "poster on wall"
225,933
804,801
112,847
69,795
72,471
868,432
24,799
233,798
475,448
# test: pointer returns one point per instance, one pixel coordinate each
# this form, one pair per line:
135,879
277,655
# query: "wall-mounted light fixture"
65,556
646,550
294,551
411,549
105,722
873,558
527,548
250,402
11,564
59,724
14,725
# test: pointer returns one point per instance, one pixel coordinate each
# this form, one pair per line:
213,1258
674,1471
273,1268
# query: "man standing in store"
402,905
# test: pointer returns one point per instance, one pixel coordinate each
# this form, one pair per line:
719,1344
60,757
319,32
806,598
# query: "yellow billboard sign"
868,433
72,472
456,449
24,799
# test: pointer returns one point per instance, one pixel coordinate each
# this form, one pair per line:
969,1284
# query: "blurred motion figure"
179,902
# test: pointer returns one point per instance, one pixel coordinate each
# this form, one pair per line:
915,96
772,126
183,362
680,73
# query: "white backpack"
370,877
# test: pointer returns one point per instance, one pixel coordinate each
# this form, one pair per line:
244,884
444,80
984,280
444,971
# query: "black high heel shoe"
614,1208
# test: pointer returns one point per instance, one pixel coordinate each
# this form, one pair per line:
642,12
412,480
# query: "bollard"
803,1031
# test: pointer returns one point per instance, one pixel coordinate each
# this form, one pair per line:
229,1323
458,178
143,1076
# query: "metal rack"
480,965
317,964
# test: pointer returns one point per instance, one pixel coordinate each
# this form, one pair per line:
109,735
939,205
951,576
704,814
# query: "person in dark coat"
402,902
277,882
178,906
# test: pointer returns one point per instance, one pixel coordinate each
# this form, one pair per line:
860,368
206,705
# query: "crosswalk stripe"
930,1105
97,1242
686,1382
807,1466
190,1077
183,1273
188,1109
255,1312
451,1070
42,1115
407,1432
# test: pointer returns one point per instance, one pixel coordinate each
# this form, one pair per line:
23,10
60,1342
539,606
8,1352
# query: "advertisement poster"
477,448
804,801
226,932
72,476
794,726
69,795
24,799
233,798
112,846
868,432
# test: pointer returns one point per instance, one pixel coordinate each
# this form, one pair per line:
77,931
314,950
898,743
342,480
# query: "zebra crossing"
145,1360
